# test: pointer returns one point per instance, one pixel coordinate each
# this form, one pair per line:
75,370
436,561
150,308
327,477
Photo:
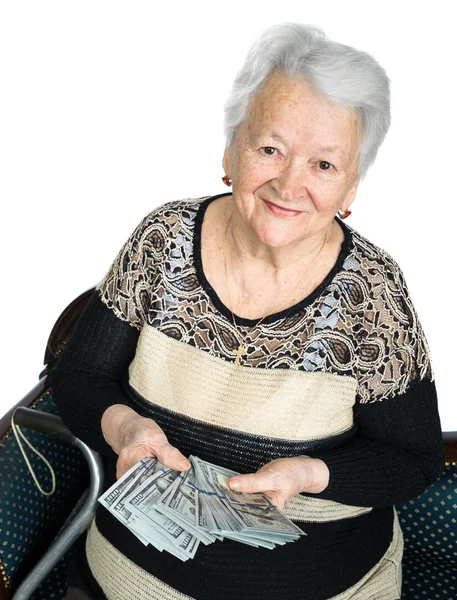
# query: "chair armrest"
43,422
81,515
450,446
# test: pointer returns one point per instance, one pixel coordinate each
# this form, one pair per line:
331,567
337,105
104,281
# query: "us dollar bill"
174,511
114,498
141,470
181,504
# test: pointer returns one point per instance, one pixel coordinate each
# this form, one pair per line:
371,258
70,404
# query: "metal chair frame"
81,515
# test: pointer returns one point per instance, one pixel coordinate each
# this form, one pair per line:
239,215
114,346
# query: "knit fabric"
214,391
344,375
119,576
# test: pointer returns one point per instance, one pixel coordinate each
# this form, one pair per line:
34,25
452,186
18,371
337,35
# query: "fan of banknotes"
176,512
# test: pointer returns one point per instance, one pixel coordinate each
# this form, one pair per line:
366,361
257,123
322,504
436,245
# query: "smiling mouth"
280,211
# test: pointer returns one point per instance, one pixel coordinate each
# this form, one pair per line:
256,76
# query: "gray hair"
346,76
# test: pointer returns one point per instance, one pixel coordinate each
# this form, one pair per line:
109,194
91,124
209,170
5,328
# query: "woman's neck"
278,265
248,277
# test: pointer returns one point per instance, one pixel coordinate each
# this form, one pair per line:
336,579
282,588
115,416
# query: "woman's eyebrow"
331,149
273,136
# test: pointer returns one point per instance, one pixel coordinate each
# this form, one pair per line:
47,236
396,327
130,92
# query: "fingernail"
235,484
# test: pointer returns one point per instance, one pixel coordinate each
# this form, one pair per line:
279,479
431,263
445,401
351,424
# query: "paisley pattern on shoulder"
362,324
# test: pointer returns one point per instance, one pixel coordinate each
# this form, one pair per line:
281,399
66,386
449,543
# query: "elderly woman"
258,331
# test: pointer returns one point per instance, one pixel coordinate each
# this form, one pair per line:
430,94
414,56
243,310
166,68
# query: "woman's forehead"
290,108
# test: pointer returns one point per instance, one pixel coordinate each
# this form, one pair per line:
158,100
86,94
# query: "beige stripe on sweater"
278,403
315,510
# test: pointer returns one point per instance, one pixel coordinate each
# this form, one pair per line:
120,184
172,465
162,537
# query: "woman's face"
293,164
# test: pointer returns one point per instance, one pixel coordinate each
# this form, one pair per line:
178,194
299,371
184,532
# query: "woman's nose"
292,181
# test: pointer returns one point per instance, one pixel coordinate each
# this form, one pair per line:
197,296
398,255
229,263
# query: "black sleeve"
86,378
395,455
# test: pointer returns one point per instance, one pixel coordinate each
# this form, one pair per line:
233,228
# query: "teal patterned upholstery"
30,521
55,586
429,525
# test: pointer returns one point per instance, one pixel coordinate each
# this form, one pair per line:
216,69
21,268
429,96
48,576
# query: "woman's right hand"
134,437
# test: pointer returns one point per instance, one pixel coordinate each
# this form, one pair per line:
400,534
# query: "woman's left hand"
284,478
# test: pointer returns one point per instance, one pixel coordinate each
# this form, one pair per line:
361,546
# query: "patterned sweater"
344,375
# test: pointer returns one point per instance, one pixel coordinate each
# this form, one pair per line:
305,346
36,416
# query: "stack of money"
176,512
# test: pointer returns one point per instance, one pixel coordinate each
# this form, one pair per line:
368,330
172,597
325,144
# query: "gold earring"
226,180
344,214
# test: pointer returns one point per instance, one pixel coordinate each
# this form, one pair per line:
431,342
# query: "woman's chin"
275,238
280,233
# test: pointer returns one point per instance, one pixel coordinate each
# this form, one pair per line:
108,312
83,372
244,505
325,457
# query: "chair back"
29,521
429,525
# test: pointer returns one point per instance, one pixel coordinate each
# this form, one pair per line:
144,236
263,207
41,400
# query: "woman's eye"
269,150
324,165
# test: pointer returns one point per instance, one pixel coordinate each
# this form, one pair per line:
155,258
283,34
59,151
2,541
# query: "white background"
108,109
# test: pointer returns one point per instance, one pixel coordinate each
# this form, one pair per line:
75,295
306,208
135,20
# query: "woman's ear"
350,196
227,163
